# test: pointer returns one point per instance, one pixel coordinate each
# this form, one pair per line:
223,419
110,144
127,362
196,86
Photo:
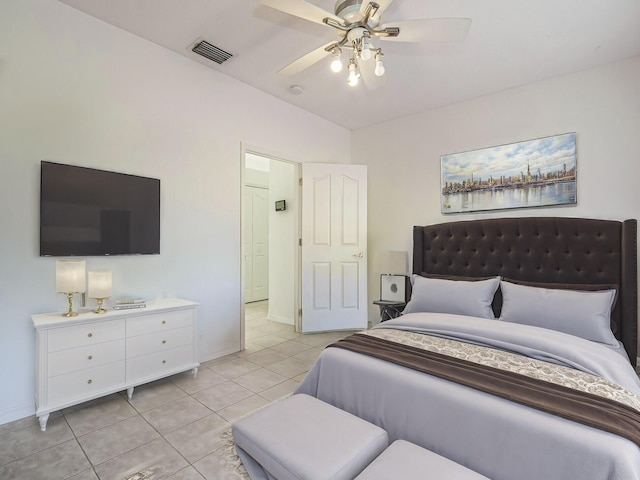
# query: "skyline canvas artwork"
532,173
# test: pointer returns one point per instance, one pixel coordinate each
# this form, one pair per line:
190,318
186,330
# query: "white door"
334,247
256,244
248,244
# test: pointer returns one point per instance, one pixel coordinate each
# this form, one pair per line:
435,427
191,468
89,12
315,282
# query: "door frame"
264,152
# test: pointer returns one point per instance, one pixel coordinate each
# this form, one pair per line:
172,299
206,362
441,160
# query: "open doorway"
270,233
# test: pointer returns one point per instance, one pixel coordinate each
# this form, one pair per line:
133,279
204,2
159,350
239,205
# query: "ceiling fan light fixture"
356,21
336,63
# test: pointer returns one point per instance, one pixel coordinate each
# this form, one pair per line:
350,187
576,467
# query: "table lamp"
100,287
70,279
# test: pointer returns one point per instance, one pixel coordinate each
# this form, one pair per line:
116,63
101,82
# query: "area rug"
233,467
228,465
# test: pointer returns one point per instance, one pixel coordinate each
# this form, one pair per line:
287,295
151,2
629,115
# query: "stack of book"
128,302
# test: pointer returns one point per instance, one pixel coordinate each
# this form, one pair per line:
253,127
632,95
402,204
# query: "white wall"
601,105
283,251
76,90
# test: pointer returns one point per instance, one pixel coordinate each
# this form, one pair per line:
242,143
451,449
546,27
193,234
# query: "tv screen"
86,212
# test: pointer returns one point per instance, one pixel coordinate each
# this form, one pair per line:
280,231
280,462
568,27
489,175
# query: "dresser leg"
43,419
130,393
194,370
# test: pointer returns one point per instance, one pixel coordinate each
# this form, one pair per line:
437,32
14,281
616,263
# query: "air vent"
211,52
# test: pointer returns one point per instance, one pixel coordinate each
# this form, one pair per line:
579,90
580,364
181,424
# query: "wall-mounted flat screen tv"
84,212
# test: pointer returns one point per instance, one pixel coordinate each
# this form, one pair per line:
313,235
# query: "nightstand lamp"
100,287
70,279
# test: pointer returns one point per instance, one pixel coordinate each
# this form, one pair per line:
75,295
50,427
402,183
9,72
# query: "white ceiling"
510,43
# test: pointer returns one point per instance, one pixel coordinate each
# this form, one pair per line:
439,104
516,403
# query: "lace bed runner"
554,389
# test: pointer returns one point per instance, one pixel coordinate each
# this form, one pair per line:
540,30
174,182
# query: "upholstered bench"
302,437
407,460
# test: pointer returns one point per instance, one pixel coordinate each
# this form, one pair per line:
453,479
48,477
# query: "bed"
539,264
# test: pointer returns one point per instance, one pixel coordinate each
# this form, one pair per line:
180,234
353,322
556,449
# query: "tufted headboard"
540,249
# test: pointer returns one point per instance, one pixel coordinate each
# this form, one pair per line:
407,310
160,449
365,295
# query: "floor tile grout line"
75,437
44,449
160,436
163,437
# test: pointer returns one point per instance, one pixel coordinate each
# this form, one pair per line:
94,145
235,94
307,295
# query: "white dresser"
92,355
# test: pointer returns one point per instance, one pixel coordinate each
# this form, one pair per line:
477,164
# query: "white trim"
224,353
17,412
280,319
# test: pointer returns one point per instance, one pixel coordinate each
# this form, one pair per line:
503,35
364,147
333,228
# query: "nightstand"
389,309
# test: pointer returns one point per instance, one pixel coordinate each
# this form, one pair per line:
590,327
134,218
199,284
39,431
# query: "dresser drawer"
159,341
74,359
85,334
157,364
159,322
85,383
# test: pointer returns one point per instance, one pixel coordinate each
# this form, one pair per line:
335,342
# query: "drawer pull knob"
164,361
164,321
164,341
90,381
90,335
90,357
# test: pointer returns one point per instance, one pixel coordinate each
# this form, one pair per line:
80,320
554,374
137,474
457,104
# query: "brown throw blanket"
578,406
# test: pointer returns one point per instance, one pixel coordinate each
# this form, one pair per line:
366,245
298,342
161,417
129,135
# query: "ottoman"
406,460
302,437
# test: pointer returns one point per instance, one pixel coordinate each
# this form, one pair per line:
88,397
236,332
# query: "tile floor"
172,426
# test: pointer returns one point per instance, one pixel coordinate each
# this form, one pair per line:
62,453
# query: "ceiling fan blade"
306,61
383,4
301,9
430,30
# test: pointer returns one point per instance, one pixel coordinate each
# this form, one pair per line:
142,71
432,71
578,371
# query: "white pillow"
457,297
581,313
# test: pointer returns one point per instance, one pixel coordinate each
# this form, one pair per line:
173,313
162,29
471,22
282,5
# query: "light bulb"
336,64
352,80
365,53
379,70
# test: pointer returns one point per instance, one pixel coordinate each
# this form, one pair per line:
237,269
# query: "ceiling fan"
357,22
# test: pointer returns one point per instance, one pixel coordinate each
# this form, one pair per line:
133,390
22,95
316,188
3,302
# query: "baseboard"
228,351
280,319
17,412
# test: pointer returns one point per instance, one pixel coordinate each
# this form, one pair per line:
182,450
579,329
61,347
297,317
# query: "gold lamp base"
100,309
70,313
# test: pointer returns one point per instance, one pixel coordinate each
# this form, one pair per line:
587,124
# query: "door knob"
359,255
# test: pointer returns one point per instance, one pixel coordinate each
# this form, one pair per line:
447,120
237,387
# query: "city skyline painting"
531,173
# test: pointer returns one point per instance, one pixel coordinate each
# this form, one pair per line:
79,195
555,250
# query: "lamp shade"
70,276
99,284
395,263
